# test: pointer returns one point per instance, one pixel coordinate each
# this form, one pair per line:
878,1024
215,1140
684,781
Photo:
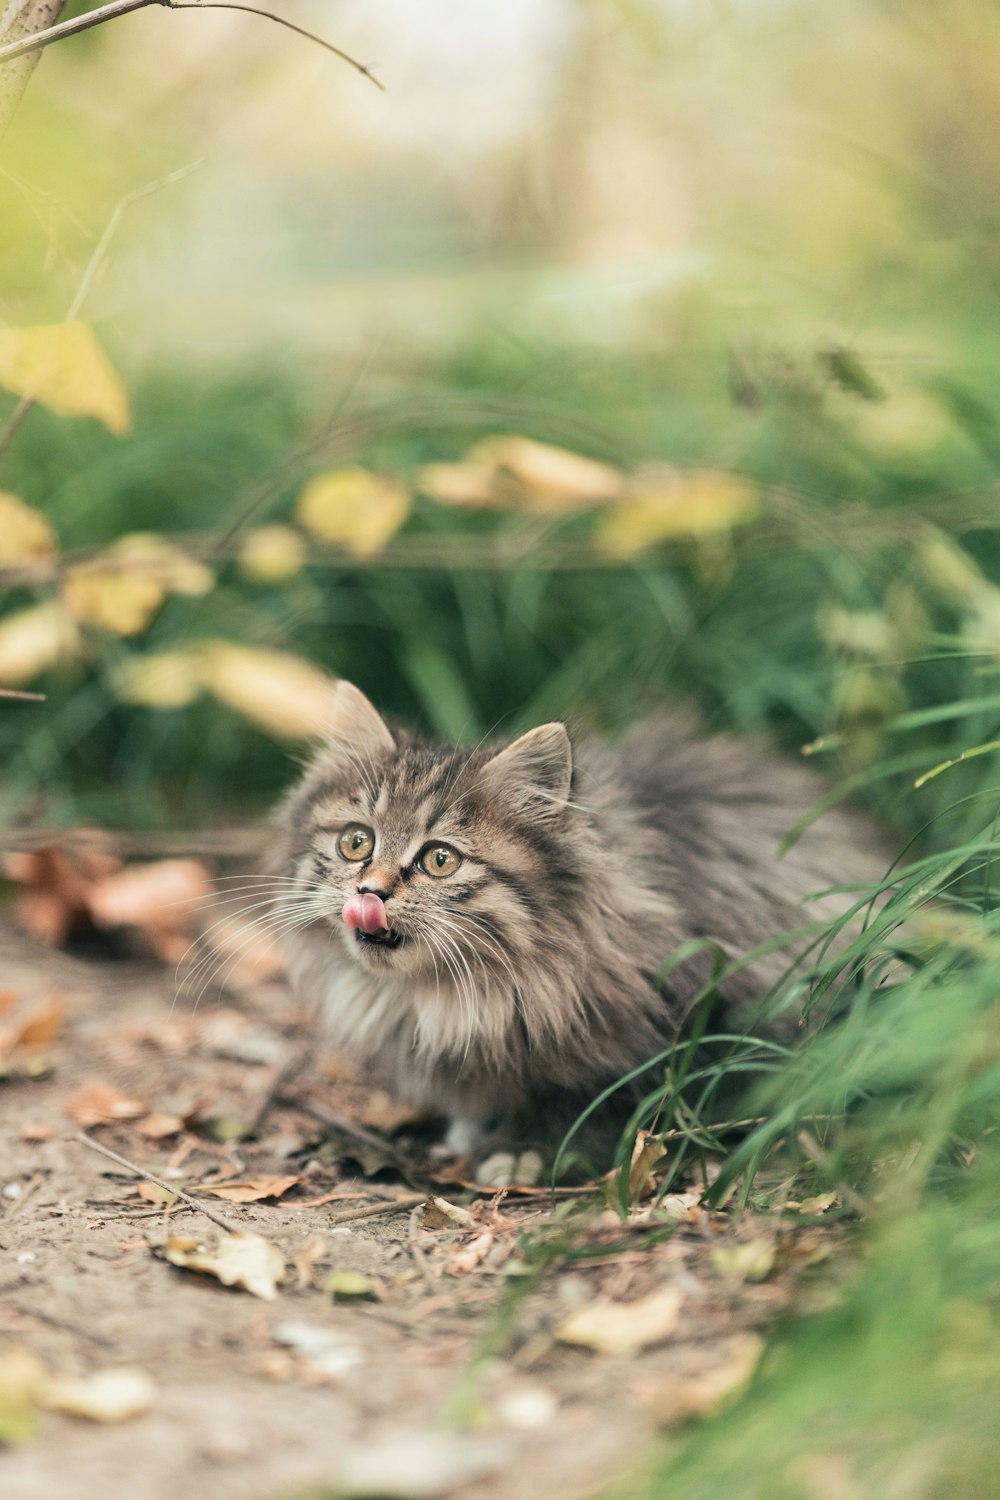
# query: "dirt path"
446,1378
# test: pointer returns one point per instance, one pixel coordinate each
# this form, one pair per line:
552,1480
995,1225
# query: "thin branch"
22,697
115,8
168,1187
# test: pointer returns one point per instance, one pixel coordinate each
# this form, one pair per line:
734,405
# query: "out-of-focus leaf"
122,589
280,692
674,505
160,899
647,1153
37,1027
243,1260
163,679
253,1189
53,887
543,476
25,535
324,1350
751,1261
103,1396
682,1399
623,1327
466,484
349,1286
21,1380
34,639
359,510
63,366
102,1104
272,553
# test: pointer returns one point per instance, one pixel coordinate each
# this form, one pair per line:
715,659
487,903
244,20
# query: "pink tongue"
365,914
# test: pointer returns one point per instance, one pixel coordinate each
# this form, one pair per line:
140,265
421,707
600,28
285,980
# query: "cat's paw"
510,1169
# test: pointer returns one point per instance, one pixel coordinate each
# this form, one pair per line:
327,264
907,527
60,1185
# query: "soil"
446,1378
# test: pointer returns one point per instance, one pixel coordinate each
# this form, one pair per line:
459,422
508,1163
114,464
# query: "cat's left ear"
533,775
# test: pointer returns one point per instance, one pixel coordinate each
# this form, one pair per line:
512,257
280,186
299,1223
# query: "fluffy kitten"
482,929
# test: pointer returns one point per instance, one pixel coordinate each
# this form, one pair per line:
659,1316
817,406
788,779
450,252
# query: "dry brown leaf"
103,1396
159,1127
34,639
545,477
380,1111
40,1027
152,1192
311,1253
63,366
647,1152
160,899
472,1255
360,510
241,1260
247,953
623,1327
102,1104
25,535
253,1189
52,893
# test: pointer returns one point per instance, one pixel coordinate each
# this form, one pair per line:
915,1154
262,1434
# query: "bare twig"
21,696
235,842
91,270
110,12
20,19
168,1187
390,1206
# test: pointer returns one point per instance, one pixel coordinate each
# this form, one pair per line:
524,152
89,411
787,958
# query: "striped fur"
526,981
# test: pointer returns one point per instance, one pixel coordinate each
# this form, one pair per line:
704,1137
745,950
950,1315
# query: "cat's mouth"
389,937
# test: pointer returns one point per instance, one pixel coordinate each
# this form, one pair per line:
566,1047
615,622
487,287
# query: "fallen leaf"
35,1026
159,1127
623,1327
679,1400
63,366
277,691
647,1152
472,1255
350,1286
152,1192
34,1132
271,554
103,1396
242,1260
675,504
25,535
360,510
34,639
160,899
21,1380
751,1261
438,1213
102,1104
253,1189
816,1205
325,1350
53,885
545,477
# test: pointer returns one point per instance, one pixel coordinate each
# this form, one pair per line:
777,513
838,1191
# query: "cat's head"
425,859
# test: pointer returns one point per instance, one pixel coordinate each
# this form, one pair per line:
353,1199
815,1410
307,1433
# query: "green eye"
355,842
439,860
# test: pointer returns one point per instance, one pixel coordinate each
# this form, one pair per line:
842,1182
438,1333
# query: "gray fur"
526,981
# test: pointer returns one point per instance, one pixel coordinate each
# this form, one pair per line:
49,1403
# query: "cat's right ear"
356,725
533,775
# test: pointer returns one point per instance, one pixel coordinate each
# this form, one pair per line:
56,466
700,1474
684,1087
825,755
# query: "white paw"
504,1169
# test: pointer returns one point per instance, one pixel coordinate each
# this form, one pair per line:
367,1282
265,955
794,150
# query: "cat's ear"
355,724
533,774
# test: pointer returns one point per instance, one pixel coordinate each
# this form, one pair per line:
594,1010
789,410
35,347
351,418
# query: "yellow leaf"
35,639
468,484
25,535
360,510
122,588
548,477
272,553
280,692
623,1327
22,1376
246,1260
751,1261
675,505
64,367
163,679
647,1152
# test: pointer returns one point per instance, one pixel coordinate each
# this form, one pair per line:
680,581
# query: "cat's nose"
374,890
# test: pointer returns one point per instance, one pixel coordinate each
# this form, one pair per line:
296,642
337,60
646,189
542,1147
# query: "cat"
485,931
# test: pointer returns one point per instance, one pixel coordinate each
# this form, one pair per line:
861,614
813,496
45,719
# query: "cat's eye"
439,860
355,842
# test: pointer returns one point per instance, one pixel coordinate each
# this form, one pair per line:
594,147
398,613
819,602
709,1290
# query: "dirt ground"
451,1374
